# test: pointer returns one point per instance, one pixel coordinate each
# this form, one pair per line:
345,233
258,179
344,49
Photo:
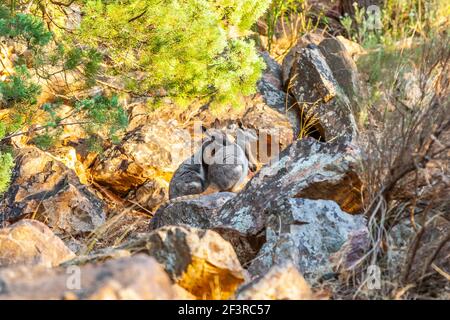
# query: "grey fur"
220,163
189,178
227,163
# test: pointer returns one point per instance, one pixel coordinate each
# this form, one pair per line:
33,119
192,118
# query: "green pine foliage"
187,49
19,88
23,27
6,165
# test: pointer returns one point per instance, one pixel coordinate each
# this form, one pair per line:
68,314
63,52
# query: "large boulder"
31,242
342,66
289,58
203,212
323,78
138,277
147,155
304,232
200,261
45,189
281,282
307,169
198,212
311,78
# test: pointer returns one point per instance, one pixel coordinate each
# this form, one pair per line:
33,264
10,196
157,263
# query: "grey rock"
199,212
305,232
324,80
289,59
342,66
311,78
306,169
272,93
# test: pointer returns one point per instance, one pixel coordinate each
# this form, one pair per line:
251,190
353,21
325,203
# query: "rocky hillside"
78,223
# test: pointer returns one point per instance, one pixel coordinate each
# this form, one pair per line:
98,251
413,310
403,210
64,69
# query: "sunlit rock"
281,282
30,242
138,277
200,261
45,189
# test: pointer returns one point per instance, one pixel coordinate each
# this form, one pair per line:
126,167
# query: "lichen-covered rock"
311,79
203,212
149,152
272,74
198,212
352,251
289,59
47,190
304,232
342,66
272,93
30,242
138,277
324,80
200,261
307,169
281,282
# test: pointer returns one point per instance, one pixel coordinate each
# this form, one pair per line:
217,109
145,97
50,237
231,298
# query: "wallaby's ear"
216,124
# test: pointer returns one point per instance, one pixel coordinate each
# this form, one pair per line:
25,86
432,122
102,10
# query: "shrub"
6,165
192,49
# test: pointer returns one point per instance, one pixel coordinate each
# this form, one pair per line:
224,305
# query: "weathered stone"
199,212
271,127
200,261
351,252
149,152
46,189
311,79
304,232
271,92
289,59
342,66
32,243
138,277
307,169
281,282
272,74
324,80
